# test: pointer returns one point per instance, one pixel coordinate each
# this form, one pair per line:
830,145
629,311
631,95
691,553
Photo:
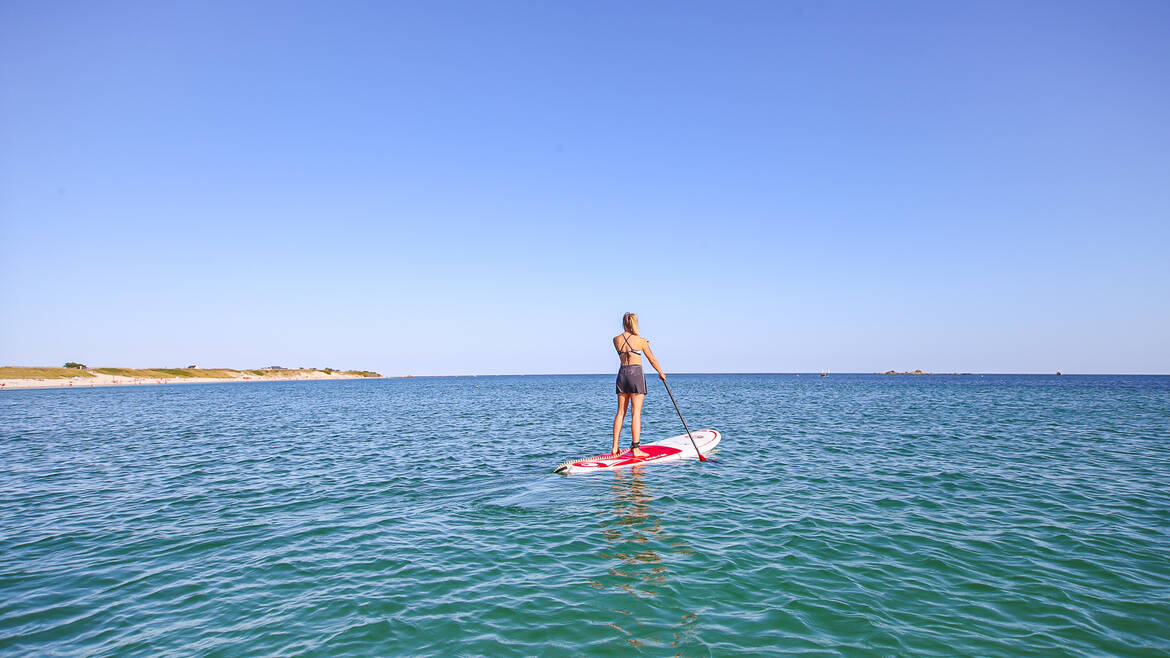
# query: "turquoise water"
853,514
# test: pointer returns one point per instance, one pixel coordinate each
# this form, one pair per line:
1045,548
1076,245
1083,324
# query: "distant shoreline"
919,372
92,378
12,378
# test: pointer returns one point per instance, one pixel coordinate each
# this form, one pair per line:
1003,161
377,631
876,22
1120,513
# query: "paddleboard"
666,450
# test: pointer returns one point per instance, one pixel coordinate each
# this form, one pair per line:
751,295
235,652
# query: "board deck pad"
666,450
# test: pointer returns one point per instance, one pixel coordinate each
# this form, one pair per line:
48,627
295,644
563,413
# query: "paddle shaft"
684,422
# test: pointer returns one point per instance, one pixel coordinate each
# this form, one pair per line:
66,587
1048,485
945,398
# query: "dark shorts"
630,379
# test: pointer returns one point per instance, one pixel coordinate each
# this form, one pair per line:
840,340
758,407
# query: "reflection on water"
639,567
639,552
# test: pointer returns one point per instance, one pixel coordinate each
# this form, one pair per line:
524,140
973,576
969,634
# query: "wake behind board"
666,450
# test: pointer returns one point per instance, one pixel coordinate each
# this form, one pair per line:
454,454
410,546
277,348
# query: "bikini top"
628,350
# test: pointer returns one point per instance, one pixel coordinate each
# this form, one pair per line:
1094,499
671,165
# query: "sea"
853,514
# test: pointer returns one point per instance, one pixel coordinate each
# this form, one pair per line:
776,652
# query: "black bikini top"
630,351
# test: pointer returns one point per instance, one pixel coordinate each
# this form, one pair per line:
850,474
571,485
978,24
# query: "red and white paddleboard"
666,450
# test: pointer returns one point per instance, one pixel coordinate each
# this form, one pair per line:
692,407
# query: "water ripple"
844,515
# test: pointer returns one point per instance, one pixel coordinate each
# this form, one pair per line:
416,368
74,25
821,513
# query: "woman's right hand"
662,376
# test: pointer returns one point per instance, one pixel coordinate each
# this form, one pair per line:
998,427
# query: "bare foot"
638,452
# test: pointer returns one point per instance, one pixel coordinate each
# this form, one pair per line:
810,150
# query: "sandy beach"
102,379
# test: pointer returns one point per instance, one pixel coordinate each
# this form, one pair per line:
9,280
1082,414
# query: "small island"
919,372
79,375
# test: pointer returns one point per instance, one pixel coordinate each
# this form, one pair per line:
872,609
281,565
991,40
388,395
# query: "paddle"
684,422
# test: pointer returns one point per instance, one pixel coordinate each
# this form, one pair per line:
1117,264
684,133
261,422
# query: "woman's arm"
653,361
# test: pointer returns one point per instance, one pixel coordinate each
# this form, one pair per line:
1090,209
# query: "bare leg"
619,419
636,421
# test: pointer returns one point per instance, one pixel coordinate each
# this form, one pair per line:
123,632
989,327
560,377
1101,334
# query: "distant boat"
824,373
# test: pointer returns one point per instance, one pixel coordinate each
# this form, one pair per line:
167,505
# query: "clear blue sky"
484,187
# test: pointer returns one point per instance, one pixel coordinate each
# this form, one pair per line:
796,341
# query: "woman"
631,382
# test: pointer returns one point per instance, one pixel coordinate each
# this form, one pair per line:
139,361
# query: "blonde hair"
630,323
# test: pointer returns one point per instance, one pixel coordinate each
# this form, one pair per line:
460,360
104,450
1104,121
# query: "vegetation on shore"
292,372
168,373
360,373
17,372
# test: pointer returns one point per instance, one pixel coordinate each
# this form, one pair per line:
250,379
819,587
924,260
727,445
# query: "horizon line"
811,372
